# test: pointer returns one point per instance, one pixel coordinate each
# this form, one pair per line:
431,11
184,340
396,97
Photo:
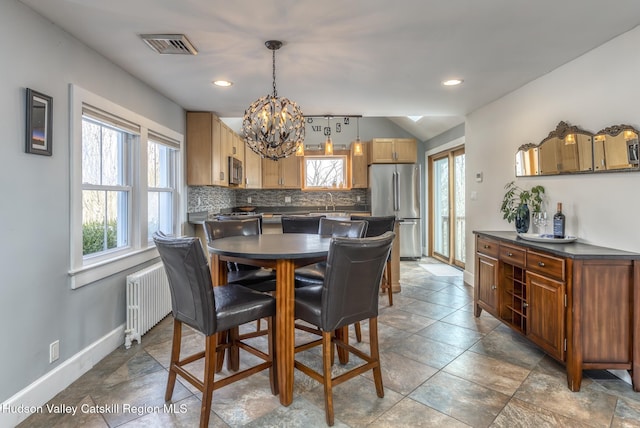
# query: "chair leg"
388,280
358,330
273,370
342,334
233,360
327,360
222,339
375,355
211,343
175,358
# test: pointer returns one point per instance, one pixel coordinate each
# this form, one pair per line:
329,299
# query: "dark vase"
522,219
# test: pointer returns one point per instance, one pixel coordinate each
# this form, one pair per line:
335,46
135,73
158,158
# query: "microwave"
235,171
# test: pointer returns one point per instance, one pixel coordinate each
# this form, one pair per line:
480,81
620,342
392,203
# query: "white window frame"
345,172
86,270
162,140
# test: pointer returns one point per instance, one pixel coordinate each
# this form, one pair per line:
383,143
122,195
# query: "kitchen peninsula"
578,302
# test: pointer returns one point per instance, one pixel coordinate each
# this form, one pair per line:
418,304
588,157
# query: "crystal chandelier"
273,127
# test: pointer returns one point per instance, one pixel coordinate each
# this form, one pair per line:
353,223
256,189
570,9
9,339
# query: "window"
322,172
124,187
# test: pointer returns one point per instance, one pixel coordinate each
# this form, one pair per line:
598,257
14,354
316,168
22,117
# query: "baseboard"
32,398
468,278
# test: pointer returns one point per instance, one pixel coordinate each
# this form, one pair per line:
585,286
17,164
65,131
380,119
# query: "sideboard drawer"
544,264
487,247
513,255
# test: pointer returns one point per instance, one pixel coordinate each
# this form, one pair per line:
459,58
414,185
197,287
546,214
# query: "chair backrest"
226,217
352,279
217,229
377,225
192,300
300,223
342,228
220,228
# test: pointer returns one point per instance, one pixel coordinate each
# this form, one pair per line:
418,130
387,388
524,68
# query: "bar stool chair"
211,311
300,223
348,294
314,274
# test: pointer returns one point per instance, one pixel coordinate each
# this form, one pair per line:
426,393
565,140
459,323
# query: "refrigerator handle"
396,192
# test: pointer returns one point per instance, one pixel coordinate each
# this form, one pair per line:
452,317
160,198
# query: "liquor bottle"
558,223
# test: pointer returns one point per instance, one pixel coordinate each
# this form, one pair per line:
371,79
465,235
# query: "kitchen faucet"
326,206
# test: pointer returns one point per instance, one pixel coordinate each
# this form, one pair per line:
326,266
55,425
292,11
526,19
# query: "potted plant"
518,202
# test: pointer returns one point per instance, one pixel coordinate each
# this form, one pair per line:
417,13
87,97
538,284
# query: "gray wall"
600,208
37,305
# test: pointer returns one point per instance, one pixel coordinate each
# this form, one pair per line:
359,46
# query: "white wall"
37,305
597,90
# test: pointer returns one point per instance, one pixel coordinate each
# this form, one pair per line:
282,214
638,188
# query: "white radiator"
148,301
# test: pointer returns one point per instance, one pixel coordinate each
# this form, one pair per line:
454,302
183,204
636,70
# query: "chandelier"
273,127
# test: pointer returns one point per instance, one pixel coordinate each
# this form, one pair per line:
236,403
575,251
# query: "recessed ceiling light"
223,83
452,82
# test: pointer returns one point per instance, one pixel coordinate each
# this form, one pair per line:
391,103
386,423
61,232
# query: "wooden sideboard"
580,303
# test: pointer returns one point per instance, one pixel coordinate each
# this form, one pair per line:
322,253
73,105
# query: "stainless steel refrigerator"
394,189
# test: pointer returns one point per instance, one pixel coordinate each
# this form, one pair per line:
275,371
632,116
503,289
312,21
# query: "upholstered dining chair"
349,294
300,223
211,311
314,274
254,277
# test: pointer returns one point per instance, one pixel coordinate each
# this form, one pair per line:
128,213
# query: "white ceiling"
376,58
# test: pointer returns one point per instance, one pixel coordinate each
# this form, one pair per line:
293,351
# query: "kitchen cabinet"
281,174
252,169
393,150
206,161
359,169
575,301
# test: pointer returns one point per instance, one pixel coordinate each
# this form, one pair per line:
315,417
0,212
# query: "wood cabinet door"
487,284
290,172
252,169
270,174
199,149
382,150
546,321
359,170
405,150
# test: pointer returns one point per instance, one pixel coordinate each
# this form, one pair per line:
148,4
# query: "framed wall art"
39,123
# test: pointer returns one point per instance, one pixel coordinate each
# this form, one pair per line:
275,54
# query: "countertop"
573,250
274,214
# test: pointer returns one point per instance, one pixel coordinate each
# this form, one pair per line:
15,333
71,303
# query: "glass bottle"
558,223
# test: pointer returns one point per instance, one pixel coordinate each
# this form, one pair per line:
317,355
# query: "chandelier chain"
275,92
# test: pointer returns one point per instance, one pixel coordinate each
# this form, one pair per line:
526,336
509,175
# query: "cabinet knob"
509,254
493,287
541,264
525,305
486,246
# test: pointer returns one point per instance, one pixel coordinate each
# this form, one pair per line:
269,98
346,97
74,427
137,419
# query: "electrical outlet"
287,199
249,200
54,351
358,198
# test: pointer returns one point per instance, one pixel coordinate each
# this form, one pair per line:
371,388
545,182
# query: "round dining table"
284,253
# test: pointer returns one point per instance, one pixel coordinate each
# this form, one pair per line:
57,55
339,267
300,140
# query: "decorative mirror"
569,150
616,148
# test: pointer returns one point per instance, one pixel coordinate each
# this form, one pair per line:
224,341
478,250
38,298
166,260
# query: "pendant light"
328,145
273,127
357,145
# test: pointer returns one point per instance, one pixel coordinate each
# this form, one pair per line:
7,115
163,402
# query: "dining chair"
348,294
240,217
314,274
211,311
300,223
376,226
254,277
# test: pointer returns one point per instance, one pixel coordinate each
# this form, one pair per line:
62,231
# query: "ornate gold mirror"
616,148
567,149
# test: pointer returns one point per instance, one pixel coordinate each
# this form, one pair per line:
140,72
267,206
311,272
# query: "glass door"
446,196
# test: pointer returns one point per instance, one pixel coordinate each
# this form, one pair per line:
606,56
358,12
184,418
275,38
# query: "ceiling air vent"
169,44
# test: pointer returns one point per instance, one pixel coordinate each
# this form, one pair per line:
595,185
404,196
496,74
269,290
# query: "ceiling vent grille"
169,44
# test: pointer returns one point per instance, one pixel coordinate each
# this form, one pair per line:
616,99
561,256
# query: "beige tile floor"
442,367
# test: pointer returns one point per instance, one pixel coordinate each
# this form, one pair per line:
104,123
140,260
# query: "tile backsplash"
215,199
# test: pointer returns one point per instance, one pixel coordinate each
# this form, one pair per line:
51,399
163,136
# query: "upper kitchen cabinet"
252,169
207,163
393,150
281,174
359,170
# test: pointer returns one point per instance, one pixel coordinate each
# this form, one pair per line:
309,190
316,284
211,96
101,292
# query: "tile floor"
442,367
